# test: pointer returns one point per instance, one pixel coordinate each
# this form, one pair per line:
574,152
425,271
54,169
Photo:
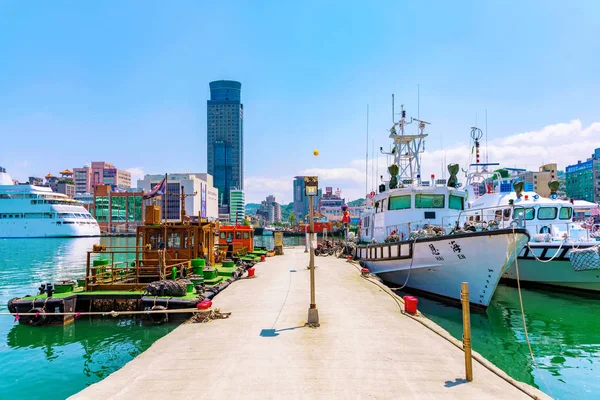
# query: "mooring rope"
536,257
523,310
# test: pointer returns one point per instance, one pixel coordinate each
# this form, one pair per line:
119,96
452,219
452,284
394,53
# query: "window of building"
399,202
547,212
430,200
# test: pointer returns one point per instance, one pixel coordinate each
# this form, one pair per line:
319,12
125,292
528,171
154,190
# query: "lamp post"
311,187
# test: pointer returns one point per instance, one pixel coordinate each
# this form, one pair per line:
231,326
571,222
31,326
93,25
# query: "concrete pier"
364,348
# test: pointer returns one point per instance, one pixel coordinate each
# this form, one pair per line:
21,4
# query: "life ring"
159,318
546,229
40,319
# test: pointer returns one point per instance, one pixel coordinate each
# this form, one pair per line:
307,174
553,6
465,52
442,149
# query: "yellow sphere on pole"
316,152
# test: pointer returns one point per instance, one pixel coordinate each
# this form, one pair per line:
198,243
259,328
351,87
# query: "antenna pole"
418,100
486,136
373,164
393,108
367,158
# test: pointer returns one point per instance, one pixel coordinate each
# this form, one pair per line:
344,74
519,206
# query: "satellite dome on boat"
5,178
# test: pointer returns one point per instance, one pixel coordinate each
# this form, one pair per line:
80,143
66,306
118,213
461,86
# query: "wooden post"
464,296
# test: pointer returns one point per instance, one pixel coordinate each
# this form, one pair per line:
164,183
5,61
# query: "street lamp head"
311,185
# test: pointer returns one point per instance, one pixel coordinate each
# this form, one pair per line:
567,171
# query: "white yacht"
410,233
560,252
28,211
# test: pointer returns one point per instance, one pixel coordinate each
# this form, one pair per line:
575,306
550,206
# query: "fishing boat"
560,253
409,236
170,271
28,211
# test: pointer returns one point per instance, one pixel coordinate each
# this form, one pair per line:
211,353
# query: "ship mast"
407,148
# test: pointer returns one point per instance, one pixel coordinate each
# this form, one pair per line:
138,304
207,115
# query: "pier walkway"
365,348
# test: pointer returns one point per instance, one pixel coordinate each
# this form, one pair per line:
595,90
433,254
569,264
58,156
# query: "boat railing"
131,267
405,228
495,215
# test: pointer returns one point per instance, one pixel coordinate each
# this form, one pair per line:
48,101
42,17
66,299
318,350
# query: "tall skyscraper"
225,139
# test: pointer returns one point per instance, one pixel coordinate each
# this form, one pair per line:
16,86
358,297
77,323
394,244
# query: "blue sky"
127,82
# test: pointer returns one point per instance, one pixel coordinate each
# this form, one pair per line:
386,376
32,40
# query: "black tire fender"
37,320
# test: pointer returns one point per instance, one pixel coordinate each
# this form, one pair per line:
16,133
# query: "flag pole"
166,201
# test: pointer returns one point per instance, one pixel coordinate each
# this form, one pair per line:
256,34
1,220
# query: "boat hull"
558,272
439,265
47,228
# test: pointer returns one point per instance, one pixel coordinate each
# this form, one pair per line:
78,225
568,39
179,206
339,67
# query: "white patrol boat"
560,252
28,211
410,235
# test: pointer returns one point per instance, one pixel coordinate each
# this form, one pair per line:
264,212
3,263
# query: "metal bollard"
464,297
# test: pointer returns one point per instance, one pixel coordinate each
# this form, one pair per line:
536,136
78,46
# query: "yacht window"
376,206
383,205
246,236
399,202
529,213
238,235
456,202
547,212
506,214
222,235
430,200
565,213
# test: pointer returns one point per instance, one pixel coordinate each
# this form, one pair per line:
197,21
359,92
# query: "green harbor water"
54,362
564,330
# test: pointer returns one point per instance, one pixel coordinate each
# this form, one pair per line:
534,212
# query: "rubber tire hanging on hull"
40,319
159,318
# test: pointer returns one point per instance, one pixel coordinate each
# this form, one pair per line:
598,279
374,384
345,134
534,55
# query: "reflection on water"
269,241
563,330
60,360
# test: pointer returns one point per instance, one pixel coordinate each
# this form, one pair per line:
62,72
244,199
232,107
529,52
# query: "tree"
246,221
292,219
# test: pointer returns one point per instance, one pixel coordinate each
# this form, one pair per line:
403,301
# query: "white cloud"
137,173
563,144
258,188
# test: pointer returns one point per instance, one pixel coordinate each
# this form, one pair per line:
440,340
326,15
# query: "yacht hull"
558,272
439,265
47,228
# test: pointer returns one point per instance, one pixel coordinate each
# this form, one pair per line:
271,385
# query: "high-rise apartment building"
225,139
202,204
582,180
98,174
238,206
540,179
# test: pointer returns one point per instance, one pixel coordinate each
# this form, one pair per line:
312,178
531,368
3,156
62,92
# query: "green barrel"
228,264
100,261
209,273
197,265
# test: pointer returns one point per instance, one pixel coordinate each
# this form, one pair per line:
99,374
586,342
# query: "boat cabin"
240,236
402,210
161,251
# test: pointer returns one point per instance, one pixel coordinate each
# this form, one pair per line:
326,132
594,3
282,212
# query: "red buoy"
250,272
204,305
263,257
410,304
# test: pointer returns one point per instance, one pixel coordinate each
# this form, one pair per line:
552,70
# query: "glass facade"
238,206
225,138
582,180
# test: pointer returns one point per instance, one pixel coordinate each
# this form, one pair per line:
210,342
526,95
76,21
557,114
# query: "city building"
539,179
269,210
98,174
330,205
117,212
36,181
204,204
582,180
225,139
237,206
301,200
